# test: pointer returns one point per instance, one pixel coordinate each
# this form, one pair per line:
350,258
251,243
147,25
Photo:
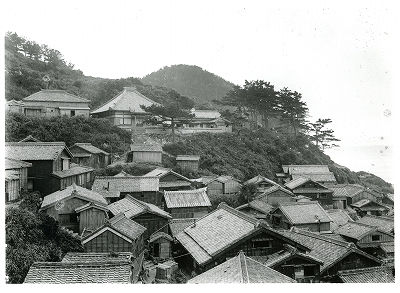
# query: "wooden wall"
195,212
107,242
231,186
277,197
153,223
91,219
12,190
215,188
146,157
188,165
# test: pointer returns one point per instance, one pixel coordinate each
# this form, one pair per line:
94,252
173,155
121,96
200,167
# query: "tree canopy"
322,137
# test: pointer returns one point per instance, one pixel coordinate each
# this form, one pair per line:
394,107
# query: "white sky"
339,54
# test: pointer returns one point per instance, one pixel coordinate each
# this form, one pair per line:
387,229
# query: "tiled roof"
187,158
109,186
29,138
34,151
224,179
259,179
11,175
303,212
346,190
301,169
146,148
328,250
96,256
187,198
205,179
126,226
318,177
367,275
75,272
176,226
74,170
162,172
55,96
258,205
297,182
69,192
158,235
383,223
133,207
207,114
174,184
273,189
387,247
339,218
241,269
128,100
364,202
390,196
89,148
16,164
355,230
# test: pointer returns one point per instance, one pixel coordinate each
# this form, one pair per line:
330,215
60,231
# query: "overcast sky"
339,54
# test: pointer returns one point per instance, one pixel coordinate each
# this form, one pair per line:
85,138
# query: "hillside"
190,81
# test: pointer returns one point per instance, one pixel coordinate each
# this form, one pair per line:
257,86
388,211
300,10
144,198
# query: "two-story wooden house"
170,180
275,195
187,203
51,166
312,189
347,194
49,103
76,208
317,173
256,208
262,183
88,155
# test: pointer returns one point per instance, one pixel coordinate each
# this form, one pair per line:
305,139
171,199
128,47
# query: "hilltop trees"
322,137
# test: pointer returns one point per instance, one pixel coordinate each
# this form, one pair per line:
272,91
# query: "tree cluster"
321,135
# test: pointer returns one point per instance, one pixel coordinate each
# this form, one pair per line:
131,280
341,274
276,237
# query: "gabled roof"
91,205
187,198
176,226
88,147
109,186
257,205
224,179
383,223
301,180
274,188
133,207
207,114
318,177
241,269
146,148
364,203
55,96
79,272
127,100
70,192
126,226
15,164
96,256
303,212
367,275
387,247
258,179
29,138
347,190
301,169
355,230
218,231
158,235
11,175
162,172
35,151
187,158
339,218
74,170
123,174
329,251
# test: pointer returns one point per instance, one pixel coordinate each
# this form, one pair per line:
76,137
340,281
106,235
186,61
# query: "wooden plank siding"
382,238
108,242
91,219
195,212
276,198
231,186
153,223
143,157
188,165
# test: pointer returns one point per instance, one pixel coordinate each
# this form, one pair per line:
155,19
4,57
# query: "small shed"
223,185
187,203
145,153
92,215
188,162
165,270
88,155
12,185
160,244
275,195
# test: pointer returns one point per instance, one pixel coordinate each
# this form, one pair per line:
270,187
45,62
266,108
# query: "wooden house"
187,203
339,218
385,224
241,269
160,245
51,169
50,103
76,208
14,106
223,185
221,234
335,255
367,238
257,209
16,172
366,275
347,194
368,207
88,155
170,180
146,214
188,162
118,234
275,195
385,251
317,173
263,184
307,215
145,153
140,187
124,110
312,189
204,121
299,266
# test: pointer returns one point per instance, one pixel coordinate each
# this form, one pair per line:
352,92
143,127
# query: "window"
72,113
65,164
298,272
309,271
323,196
262,244
376,237
73,218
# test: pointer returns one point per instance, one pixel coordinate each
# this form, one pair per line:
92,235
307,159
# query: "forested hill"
190,81
27,64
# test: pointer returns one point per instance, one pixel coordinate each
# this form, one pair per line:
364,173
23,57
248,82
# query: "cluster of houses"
301,226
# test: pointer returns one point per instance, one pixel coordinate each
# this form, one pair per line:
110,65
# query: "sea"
375,159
